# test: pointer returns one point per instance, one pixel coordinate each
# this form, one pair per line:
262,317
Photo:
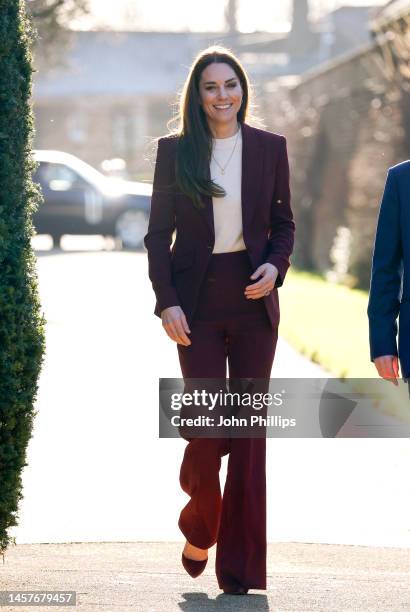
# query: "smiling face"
221,94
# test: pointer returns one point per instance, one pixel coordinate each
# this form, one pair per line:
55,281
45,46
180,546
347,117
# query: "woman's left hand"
265,285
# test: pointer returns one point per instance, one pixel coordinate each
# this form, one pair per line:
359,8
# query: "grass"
328,323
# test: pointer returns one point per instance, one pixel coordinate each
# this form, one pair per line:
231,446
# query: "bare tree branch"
51,20
42,13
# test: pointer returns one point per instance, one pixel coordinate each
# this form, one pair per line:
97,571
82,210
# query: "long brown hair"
194,146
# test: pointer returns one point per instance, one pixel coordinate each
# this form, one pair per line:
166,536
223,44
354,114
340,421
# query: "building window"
119,133
77,127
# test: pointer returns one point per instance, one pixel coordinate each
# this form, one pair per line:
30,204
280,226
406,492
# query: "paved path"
96,468
149,578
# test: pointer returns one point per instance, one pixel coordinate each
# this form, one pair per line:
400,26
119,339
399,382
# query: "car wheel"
56,241
131,228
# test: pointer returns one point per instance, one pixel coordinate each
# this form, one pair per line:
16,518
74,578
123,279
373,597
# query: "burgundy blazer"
268,228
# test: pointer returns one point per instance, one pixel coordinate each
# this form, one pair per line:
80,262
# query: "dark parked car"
78,199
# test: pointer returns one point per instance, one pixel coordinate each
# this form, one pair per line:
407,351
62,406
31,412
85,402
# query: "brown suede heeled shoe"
194,568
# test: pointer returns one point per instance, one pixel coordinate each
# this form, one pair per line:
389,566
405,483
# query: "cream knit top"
228,210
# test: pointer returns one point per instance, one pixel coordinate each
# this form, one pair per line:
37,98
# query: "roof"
131,63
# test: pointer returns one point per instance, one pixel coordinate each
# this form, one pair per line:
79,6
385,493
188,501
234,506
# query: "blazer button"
210,247
279,201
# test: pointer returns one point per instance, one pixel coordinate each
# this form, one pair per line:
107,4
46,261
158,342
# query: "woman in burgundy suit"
223,187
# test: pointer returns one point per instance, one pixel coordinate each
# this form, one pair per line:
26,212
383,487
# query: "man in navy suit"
389,297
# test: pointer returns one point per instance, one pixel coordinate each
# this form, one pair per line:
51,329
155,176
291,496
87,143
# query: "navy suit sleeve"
282,226
386,275
160,229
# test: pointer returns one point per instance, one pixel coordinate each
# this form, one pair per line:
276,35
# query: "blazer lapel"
252,174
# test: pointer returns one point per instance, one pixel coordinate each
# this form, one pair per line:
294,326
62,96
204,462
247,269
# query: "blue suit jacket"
389,297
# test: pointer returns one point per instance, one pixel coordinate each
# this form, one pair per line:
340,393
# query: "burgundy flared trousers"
228,327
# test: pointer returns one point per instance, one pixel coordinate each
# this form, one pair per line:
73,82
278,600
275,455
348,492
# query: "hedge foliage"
22,325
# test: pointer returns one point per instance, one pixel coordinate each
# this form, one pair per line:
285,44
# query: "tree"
51,19
391,32
21,322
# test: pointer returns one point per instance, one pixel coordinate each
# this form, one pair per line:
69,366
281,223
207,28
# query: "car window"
58,177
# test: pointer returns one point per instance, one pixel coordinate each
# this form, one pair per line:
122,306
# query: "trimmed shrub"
22,325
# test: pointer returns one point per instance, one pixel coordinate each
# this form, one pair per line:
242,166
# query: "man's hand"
388,367
175,324
269,274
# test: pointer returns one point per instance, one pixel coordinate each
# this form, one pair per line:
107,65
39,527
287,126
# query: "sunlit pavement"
149,577
97,470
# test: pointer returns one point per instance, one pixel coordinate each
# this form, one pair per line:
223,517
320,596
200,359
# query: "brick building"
116,90
347,122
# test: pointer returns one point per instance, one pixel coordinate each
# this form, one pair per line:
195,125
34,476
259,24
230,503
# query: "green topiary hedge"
22,338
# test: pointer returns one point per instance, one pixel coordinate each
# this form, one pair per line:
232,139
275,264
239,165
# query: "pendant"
222,171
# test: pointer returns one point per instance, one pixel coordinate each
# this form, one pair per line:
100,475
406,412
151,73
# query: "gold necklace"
223,168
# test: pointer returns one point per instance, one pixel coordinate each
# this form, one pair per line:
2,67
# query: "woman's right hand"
175,324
